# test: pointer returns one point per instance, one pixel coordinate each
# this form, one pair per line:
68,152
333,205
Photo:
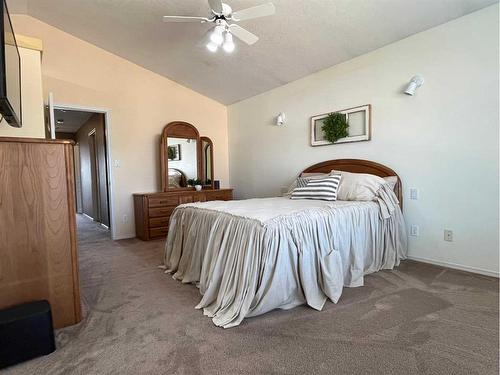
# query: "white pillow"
358,186
391,181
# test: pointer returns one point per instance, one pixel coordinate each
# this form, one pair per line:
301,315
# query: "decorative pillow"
318,188
391,181
314,174
304,177
303,181
358,186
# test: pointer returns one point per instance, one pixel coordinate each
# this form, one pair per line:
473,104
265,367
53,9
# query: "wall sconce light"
281,119
414,84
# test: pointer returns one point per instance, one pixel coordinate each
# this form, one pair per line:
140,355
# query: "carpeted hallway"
418,319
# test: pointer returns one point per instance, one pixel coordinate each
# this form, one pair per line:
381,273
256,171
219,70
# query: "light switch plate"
414,230
414,194
448,235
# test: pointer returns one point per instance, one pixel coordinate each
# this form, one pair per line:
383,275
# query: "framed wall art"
359,119
174,152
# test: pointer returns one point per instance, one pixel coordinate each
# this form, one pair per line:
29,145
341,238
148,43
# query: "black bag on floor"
26,332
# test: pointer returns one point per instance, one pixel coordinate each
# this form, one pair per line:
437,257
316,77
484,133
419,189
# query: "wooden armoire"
38,253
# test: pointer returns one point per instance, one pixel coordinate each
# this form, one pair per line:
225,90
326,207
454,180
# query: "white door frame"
107,131
52,121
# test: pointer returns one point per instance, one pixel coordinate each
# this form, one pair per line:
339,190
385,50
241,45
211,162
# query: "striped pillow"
321,189
302,181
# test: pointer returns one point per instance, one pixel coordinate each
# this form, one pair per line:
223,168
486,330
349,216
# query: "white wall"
443,141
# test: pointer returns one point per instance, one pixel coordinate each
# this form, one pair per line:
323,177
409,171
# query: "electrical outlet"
448,235
414,230
116,163
414,194
125,219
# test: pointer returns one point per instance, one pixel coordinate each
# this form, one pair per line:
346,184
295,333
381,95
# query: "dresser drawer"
219,196
163,201
161,211
158,232
186,199
159,222
153,211
200,198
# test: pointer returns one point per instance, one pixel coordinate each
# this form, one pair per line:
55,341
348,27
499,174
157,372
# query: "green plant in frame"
172,152
193,181
335,126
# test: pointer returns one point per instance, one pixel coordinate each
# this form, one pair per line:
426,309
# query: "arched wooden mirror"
180,159
207,162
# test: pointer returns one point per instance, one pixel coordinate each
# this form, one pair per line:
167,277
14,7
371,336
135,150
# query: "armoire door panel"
37,234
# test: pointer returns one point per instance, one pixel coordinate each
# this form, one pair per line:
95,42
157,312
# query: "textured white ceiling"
17,6
303,37
71,120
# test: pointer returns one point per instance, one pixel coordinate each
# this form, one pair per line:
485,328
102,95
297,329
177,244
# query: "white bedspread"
252,256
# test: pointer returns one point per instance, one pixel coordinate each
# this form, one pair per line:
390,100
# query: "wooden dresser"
38,254
153,210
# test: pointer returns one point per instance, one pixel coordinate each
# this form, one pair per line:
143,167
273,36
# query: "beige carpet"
418,319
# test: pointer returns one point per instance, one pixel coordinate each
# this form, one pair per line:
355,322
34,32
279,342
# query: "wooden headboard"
358,166
183,181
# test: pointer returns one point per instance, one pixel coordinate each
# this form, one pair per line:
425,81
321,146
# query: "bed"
176,178
252,256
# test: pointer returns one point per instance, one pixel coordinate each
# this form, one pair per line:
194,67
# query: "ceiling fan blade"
185,19
216,6
254,12
243,34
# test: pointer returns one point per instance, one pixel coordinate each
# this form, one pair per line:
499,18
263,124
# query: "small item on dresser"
217,184
26,332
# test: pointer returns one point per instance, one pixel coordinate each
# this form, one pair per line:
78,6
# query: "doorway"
88,130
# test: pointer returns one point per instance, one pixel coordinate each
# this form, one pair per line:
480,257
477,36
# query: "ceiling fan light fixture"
223,18
212,47
228,45
217,35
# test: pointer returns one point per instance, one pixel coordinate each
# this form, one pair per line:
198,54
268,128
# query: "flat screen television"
10,71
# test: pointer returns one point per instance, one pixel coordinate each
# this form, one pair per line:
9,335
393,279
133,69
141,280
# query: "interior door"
51,122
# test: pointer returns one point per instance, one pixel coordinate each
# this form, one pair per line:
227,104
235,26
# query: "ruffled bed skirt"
244,267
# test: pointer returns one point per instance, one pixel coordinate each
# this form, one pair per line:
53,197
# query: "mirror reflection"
206,148
182,161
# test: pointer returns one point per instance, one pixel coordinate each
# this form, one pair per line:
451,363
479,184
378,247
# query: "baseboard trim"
455,266
87,216
124,237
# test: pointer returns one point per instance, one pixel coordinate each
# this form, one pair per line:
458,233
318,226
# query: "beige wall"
32,98
140,104
443,141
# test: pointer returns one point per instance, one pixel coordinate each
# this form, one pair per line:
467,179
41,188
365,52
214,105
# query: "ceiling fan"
222,33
